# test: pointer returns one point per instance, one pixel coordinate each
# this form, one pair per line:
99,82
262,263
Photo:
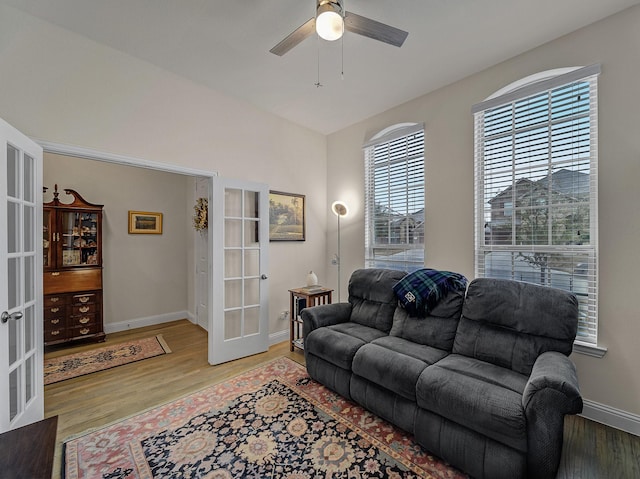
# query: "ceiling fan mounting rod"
333,4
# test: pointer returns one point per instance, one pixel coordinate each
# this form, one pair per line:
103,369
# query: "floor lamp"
339,209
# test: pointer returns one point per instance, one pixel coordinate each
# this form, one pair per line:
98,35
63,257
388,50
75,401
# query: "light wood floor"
590,450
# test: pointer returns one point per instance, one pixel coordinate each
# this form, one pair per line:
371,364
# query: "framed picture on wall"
286,216
145,222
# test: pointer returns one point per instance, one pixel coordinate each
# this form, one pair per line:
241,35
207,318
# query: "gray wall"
614,42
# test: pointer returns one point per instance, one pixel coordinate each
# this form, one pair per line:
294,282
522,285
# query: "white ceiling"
224,44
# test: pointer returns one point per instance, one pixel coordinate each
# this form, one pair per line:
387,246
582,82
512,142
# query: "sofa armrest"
551,392
555,371
324,315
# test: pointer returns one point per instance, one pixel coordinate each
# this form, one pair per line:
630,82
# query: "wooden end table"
312,296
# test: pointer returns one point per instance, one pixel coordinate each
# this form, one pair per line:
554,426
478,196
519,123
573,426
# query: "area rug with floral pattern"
106,357
271,422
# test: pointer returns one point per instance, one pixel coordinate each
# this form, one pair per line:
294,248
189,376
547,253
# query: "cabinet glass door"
88,228
48,241
70,239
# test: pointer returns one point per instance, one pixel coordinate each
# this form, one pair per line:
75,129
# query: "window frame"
405,246
521,91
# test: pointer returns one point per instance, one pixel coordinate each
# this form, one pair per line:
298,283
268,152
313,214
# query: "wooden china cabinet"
72,245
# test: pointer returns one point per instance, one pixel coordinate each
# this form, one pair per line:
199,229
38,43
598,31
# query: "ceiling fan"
330,22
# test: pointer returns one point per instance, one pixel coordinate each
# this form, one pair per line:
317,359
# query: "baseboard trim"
278,337
142,322
274,338
610,416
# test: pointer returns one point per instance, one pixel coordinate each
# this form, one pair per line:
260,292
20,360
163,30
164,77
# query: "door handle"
6,316
264,276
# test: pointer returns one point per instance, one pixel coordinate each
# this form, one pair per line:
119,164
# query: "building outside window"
536,169
394,198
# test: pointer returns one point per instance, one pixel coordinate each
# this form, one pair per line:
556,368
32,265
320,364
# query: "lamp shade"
329,21
339,208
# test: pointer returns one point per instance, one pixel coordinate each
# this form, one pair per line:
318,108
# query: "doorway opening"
197,184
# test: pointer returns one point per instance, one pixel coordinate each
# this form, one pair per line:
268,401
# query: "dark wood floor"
591,450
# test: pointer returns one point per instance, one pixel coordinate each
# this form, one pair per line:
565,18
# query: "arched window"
394,198
536,196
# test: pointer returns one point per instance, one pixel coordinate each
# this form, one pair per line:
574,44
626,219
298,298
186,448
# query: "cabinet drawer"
54,323
84,299
55,335
55,311
55,300
81,331
83,308
82,320
70,281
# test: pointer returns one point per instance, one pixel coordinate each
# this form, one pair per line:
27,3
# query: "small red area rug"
106,357
271,422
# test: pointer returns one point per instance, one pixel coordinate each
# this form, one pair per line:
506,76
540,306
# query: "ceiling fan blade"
373,29
297,36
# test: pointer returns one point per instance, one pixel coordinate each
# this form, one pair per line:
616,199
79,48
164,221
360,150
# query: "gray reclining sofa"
483,381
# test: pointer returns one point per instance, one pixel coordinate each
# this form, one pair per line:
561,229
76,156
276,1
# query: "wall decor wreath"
201,217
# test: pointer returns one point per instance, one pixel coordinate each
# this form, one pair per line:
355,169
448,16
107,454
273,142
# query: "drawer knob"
84,330
84,299
84,320
54,300
55,273
55,333
54,310
55,321
84,309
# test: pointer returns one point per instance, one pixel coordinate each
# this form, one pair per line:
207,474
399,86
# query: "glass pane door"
21,388
240,264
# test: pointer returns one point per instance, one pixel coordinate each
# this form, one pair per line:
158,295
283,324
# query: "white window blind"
394,200
536,169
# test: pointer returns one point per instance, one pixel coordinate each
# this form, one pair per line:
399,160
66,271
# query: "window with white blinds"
536,168
394,199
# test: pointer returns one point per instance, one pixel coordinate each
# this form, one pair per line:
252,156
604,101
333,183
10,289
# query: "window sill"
589,349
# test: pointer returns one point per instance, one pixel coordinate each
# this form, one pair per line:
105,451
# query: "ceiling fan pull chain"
342,59
317,83
342,43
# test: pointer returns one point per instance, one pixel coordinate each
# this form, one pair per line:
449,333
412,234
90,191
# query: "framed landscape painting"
286,216
145,222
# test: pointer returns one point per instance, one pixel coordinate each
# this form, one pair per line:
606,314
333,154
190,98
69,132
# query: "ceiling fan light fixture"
329,21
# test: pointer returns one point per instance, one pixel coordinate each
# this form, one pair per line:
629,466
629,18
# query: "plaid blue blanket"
420,291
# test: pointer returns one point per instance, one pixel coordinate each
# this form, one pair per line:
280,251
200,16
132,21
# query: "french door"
21,340
240,238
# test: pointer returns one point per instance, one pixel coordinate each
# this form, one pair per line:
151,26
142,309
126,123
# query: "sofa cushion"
390,369
372,298
510,323
437,329
338,344
478,395
424,353
333,346
363,333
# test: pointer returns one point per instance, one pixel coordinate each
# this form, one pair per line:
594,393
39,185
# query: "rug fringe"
163,344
